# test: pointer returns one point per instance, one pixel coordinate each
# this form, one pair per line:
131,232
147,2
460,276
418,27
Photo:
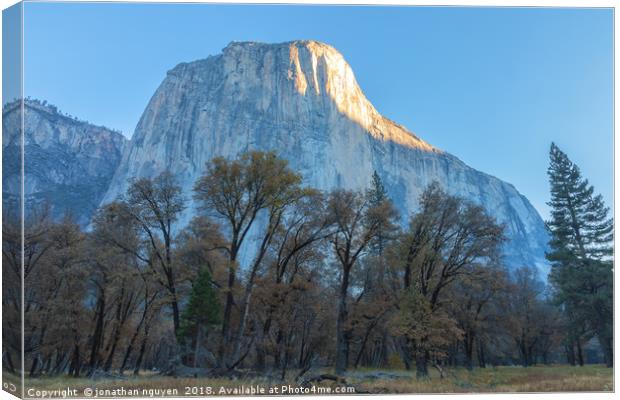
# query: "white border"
476,3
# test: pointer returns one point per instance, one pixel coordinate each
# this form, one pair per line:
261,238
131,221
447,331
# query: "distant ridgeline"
68,163
44,106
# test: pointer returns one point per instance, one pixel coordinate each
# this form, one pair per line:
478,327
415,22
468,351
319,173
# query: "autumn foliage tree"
445,240
257,186
358,223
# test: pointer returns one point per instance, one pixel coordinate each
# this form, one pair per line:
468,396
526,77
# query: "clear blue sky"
493,86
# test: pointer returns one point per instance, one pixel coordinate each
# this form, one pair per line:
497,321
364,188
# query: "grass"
555,378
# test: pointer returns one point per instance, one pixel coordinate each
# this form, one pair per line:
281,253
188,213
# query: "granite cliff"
301,99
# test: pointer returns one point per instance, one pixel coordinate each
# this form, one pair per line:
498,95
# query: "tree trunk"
379,358
469,350
245,304
136,333
341,340
8,361
524,356
60,364
531,356
261,351
136,369
197,341
260,363
74,369
47,365
108,362
174,302
363,345
98,333
481,356
175,313
405,353
606,343
579,353
128,352
570,353
221,354
608,351
278,350
245,307
33,367
421,365
284,364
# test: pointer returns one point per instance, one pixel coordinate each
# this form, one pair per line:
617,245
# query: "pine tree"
377,196
581,251
377,192
203,310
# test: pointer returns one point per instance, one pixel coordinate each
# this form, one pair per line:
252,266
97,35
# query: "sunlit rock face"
68,164
301,99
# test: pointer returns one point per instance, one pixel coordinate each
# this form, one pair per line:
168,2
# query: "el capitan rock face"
301,99
67,163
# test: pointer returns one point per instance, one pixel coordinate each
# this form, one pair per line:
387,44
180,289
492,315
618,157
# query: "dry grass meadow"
505,379
556,378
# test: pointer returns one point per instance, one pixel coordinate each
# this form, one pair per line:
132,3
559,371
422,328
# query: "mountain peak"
298,42
318,69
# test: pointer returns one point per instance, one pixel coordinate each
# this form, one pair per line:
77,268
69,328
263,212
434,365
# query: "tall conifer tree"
581,251
378,196
203,311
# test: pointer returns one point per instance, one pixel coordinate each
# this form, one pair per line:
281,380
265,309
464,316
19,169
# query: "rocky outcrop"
301,99
68,163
